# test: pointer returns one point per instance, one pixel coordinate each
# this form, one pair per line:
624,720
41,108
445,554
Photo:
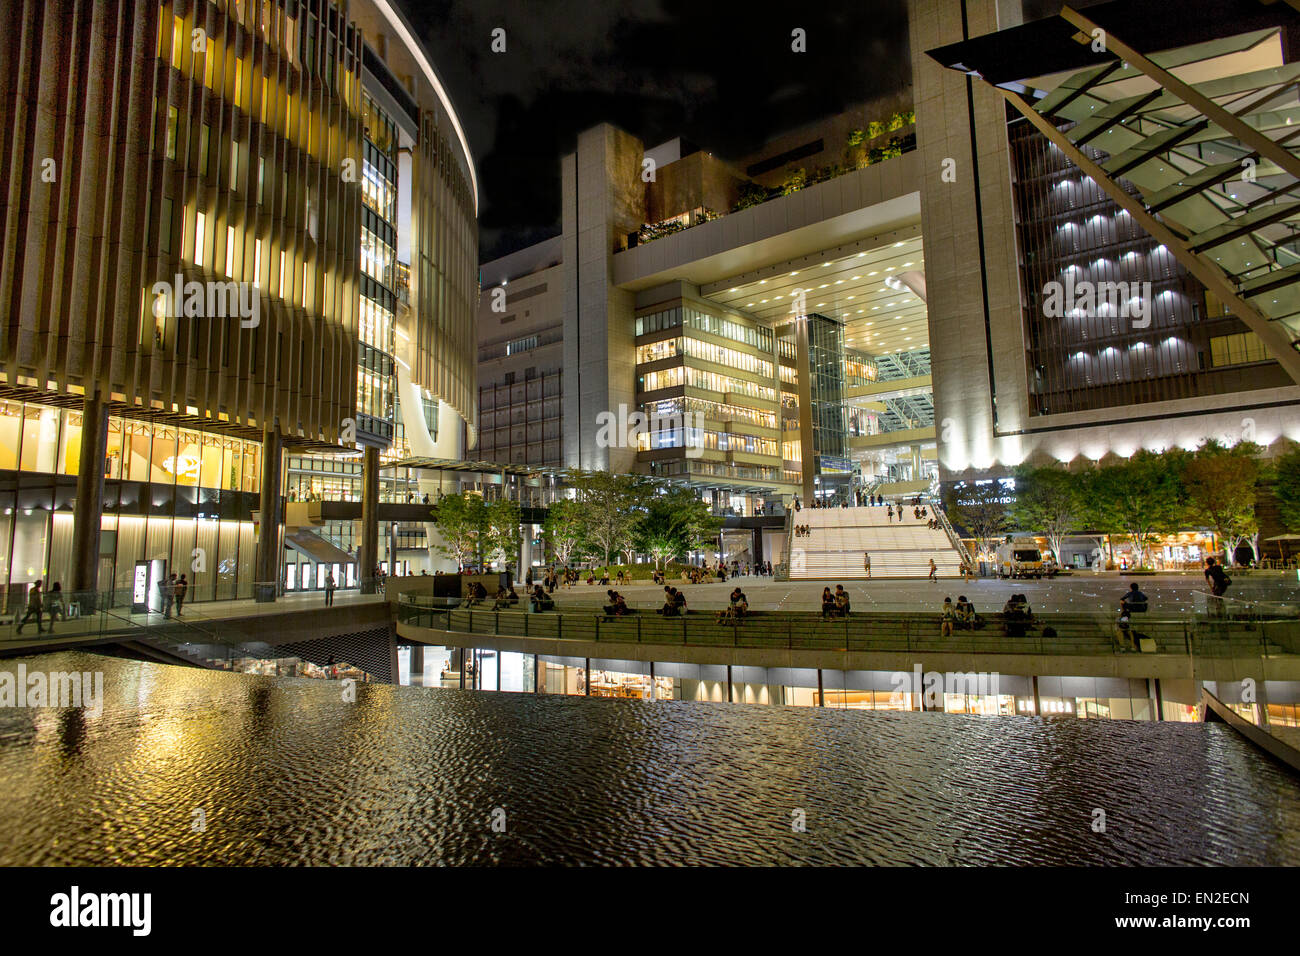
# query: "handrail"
942,514
916,632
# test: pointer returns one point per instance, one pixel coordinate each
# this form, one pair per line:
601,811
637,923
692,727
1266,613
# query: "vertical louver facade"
208,146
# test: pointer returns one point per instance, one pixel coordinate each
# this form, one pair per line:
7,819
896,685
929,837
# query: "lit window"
200,227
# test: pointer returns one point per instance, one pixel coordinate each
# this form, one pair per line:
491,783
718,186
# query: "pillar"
804,366
267,570
392,547
88,509
417,663
368,554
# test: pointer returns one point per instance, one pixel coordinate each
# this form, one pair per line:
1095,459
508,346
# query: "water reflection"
285,771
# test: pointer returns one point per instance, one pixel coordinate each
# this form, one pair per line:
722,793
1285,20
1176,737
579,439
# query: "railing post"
559,627
638,629
597,628
496,625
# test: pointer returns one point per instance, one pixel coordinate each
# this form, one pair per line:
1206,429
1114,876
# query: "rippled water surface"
286,772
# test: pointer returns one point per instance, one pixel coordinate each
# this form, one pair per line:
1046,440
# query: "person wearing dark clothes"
34,608
1133,600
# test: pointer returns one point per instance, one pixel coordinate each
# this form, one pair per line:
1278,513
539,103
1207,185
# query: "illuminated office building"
209,263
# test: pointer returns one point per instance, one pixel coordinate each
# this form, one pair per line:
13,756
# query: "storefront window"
137,438
113,450
40,442
70,444
11,424
188,458
164,457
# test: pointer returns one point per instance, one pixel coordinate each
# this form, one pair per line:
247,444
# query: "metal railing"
910,632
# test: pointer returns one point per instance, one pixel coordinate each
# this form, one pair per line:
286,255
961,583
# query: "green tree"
500,537
1286,487
462,522
1140,497
1220,491
608,509
1047,500
675,521
980,508
562,529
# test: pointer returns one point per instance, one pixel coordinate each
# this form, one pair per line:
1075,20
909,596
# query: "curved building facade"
224,226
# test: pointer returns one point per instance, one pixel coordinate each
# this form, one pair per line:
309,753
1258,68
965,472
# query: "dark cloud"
721,74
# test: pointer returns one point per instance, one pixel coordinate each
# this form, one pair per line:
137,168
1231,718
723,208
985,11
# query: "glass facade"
172,494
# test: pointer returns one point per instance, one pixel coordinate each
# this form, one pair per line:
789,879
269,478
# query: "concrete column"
803,364
392,546
417,663
88,509
369,551
267,571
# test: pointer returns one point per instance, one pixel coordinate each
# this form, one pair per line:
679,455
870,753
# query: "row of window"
698,378
692,468
716,411
703,438
707,351
41,438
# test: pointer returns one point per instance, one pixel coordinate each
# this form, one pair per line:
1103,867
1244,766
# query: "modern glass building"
203,272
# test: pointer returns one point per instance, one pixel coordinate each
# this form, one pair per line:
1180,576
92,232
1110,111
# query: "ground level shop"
973,694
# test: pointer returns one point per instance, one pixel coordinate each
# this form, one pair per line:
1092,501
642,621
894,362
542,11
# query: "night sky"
720,74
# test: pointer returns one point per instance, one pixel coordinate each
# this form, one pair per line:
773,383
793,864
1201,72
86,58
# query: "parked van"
1020,558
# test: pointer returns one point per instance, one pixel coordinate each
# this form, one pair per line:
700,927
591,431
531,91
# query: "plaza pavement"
1085,593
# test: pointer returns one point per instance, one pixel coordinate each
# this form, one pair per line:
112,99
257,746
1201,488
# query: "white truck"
1020,558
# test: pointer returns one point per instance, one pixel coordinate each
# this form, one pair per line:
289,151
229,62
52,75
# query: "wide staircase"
838,538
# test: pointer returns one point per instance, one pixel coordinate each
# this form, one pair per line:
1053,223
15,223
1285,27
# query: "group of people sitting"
540,599
506,598
960,616
475,593
617,605
1017,615
736,609
802,531
674,603
835,604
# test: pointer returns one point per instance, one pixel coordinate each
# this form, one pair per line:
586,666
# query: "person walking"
182,589
167,591
1218,581
866,563
329,588
33,608
934,571
54,604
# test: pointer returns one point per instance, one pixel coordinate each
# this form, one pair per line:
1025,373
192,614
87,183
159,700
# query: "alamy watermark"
933,685
1127,300
210,300
624,428
81,689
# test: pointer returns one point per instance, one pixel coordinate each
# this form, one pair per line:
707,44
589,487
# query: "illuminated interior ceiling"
1206,131
861,289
